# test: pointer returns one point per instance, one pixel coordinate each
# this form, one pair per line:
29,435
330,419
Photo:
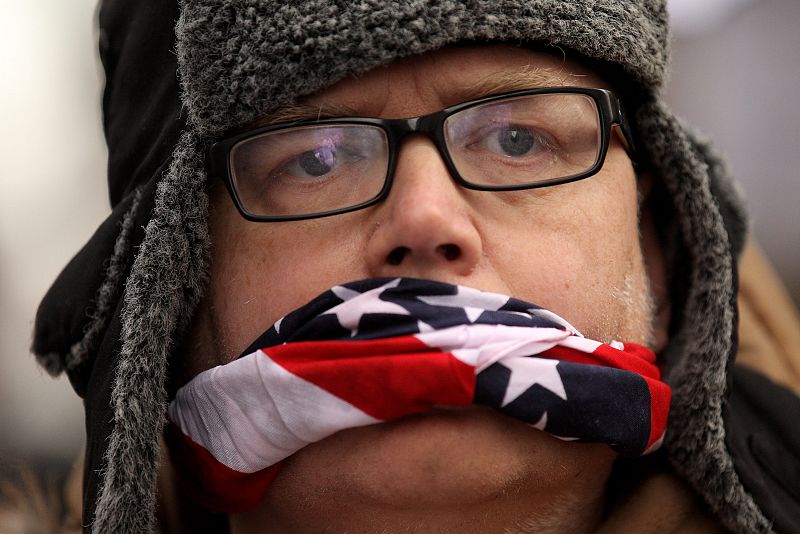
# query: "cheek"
577,254
261,271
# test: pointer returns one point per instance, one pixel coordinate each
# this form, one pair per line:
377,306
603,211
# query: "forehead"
428,82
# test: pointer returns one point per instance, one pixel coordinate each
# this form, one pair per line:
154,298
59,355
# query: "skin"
574,249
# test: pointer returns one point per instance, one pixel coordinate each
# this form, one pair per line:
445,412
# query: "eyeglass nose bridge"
430,126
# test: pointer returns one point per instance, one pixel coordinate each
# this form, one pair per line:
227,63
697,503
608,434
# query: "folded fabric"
380,349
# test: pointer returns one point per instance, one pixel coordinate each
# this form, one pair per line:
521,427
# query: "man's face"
573,249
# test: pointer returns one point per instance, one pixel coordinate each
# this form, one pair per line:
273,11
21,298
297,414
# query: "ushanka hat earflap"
241,59
79,324
711,224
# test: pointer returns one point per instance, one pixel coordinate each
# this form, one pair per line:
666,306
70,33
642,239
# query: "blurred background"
736,75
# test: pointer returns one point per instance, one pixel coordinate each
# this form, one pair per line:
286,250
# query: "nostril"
449,251
396,256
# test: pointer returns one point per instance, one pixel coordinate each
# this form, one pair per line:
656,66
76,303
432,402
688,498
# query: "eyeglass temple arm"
622,128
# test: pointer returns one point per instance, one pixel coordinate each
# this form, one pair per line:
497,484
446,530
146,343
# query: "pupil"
317,162
516,141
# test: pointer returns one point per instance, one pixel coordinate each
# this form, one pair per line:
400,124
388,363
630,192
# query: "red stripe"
635,358
660,397
385,378
212,484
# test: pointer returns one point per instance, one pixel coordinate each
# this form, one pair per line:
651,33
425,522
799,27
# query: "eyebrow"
304,112
527,77
506,81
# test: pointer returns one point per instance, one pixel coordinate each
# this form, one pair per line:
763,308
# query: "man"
544,168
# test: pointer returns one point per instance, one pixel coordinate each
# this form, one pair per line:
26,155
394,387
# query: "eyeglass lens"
511,142
524,140
310,169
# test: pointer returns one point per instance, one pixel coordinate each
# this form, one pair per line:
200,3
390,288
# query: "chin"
458,469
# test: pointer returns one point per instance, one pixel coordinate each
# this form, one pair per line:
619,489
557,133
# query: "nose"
425,227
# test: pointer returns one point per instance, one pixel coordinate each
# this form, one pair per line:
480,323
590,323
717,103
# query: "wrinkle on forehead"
507,80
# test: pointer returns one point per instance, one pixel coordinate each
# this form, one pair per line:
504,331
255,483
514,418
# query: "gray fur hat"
240,59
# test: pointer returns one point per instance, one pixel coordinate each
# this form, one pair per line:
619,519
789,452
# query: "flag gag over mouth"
380,349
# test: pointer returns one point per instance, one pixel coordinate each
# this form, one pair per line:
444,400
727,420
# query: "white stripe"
617,344
655,446
248,426
581,343
482,345
424,327
547,314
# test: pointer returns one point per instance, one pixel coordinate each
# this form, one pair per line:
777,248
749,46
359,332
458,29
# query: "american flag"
379,349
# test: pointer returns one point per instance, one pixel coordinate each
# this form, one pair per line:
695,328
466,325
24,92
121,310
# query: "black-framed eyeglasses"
508,142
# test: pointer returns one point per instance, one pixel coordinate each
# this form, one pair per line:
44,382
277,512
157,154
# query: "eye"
316,163
312,160
513,141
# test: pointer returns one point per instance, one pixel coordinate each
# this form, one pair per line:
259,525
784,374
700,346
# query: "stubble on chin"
636,296
628,313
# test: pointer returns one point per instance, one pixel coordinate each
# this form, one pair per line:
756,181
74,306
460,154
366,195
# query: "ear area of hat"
75,312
